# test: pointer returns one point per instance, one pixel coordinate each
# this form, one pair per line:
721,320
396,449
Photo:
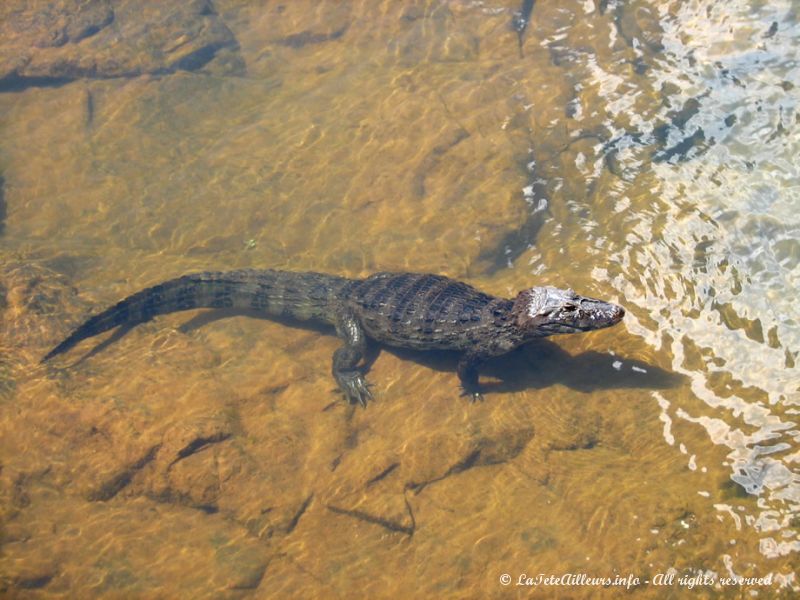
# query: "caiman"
419,311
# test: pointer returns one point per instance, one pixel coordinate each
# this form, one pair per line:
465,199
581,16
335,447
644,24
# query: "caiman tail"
302,296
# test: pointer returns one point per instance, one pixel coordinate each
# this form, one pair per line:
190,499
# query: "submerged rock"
31,300
134,549
51,42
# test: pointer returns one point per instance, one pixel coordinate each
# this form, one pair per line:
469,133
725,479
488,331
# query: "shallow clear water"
638,152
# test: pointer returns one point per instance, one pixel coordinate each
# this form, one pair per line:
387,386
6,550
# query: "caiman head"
543,311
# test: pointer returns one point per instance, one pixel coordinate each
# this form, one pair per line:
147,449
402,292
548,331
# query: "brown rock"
69,39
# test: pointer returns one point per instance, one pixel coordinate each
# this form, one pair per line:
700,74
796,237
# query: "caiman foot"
355,387
473,394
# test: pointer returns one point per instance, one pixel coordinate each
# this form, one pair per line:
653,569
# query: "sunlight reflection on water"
722,270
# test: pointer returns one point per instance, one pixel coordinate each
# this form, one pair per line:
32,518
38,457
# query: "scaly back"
422,311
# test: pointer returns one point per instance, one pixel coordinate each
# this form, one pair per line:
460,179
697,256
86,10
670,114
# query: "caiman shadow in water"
542,363
537,365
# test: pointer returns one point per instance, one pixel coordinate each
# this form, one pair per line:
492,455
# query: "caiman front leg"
346,358
468,374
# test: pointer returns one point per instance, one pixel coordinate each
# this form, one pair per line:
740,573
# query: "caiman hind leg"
346,358
468,374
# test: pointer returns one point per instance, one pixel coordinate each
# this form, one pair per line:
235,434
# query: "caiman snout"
618,313
597,314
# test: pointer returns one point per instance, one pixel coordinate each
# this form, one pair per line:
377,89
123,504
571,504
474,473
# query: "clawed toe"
473,395
355,388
